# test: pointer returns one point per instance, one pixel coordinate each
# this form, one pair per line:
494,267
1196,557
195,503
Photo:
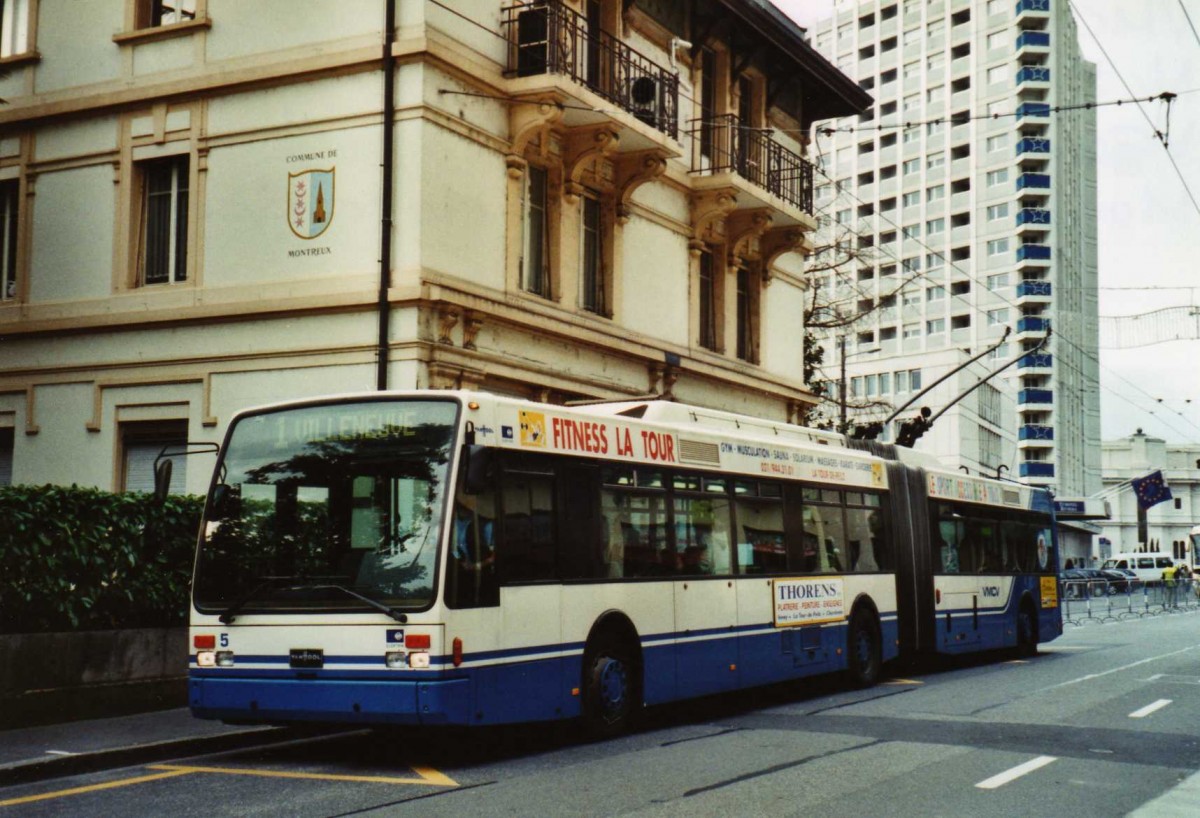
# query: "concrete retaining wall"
55,677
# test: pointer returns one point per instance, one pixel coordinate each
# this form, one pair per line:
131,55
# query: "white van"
1148,565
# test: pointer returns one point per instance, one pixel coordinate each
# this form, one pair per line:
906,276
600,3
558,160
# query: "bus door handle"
975,611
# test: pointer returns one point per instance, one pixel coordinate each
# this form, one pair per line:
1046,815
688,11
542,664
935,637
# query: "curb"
25,772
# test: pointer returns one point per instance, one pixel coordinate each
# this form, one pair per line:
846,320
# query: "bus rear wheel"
863,648
611,688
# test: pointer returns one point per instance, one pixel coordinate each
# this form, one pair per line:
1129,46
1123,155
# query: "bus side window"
761,543
945,547
825,526
526,544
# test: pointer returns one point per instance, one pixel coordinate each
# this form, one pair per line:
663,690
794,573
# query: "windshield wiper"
230,613
374,603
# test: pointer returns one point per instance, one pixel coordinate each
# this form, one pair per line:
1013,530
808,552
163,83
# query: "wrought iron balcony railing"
721,145
547,37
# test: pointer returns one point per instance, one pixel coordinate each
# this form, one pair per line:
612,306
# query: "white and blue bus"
459,558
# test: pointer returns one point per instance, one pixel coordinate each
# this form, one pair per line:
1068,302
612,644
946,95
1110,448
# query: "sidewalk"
35,753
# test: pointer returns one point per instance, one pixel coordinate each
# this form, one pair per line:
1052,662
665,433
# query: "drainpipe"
385,209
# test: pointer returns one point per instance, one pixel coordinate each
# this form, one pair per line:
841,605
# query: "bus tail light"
224,658
204,641
206,658
417,641
395,659
418,660
457,651
937,595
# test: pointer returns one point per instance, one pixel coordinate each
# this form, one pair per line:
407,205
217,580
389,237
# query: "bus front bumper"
283,700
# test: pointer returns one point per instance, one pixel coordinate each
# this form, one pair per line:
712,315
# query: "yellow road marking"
426,775
903,682
108,785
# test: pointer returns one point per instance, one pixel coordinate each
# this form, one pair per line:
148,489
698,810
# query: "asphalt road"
1105,722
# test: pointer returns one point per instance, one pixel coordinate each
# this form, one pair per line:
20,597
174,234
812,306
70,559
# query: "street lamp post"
843,421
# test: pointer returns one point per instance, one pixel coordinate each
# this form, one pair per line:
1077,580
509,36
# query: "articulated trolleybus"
457,558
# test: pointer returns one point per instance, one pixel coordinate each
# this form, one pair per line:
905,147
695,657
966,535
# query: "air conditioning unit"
643,99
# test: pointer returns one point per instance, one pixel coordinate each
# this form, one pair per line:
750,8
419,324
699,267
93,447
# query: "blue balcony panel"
1032,324
1033,144
1033,180
1035,396
1034,469
1036,432
1033,109
1033,73
1026,288
1033,215
1032,38
1033,252
1036,359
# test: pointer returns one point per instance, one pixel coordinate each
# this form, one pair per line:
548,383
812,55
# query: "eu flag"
1150,490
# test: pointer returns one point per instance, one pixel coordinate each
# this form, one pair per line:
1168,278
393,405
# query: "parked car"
1120,580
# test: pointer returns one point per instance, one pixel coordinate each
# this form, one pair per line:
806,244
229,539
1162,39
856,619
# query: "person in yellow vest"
1168,576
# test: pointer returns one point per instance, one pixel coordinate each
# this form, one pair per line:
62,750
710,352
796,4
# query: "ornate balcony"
1033,5
546,37
1033,325
1036,432
721,145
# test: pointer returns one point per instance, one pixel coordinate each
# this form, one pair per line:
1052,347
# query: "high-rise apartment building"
962,204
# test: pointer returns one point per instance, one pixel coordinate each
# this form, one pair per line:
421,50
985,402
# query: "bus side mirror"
221,500
162,479
479,467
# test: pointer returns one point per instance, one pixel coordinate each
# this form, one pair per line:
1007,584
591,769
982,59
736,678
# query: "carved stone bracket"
586,148
662,379
447,318
744,229
472,323
709,211
776,242
530,121
634,170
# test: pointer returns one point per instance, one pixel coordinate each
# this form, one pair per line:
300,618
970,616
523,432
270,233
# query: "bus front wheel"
865,653
611,689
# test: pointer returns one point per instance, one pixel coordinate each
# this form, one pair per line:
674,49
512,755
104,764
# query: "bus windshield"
328,508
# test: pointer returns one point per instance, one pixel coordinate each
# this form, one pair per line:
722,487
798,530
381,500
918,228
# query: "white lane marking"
1141,713
1091,676
1016,772
59,753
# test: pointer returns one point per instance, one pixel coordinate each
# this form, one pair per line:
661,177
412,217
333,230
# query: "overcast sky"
1149,228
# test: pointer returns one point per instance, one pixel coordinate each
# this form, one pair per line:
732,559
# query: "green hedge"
82,559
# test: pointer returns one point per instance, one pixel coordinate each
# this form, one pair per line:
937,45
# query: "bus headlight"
224,658
395,659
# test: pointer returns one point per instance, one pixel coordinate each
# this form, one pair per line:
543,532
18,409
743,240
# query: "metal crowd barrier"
1098,600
